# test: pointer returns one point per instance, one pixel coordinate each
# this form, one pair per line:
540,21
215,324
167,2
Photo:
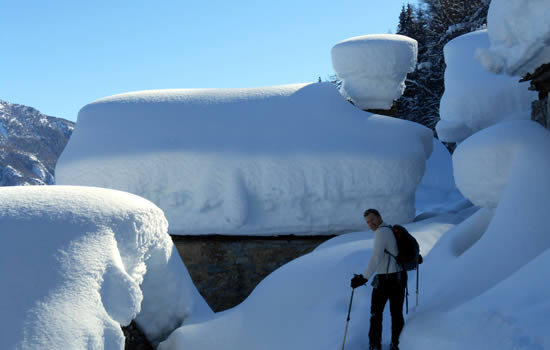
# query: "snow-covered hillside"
30,143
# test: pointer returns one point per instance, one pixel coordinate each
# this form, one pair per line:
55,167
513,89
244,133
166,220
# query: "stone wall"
540,112
226,269
540,82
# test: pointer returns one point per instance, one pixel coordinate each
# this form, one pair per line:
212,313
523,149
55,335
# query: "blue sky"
59,55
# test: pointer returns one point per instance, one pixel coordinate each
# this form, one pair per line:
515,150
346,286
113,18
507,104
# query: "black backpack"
408,256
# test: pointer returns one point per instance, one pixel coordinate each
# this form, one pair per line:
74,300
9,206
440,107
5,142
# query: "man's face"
373,221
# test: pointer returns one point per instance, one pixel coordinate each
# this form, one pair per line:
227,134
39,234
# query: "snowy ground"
303,305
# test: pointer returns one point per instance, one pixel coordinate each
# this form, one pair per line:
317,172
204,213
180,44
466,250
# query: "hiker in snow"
388,284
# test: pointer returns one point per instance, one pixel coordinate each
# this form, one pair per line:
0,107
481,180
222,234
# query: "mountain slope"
30,143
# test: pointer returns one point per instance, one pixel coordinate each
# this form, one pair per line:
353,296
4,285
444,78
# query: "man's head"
373,218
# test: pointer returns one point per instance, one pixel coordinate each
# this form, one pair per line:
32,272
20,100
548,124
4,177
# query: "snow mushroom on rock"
373,68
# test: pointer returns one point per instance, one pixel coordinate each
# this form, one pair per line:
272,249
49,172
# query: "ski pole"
347,321
417,273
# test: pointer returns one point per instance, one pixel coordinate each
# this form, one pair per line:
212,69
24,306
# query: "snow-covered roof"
519,34
373,68
276,160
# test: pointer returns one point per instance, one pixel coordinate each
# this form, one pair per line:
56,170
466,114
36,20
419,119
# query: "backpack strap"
395,258
387,252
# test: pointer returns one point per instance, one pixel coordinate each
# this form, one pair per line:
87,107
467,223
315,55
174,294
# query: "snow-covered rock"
373,68
474,98
288,159
519,34
487,162
77,263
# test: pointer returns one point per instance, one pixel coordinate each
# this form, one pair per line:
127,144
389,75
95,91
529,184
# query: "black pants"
390,287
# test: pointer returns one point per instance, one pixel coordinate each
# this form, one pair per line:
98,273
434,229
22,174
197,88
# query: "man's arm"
377,254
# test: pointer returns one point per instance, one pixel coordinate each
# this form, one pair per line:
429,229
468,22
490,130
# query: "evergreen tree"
433,24
420,101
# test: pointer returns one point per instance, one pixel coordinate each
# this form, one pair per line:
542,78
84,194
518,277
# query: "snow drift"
373,68
437,192
474,98
78,262
287,159
493,260
501,169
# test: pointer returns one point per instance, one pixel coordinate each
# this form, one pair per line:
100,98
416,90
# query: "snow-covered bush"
287,159
373,68
77,263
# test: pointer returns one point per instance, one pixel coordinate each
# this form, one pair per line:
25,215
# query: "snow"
493,153
520,36
3,131
7,174
81,261
478,288
494,261
77,263
261,161
303,305
437,191
474,98
373,68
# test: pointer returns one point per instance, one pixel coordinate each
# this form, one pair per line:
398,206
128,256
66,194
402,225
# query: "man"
388,284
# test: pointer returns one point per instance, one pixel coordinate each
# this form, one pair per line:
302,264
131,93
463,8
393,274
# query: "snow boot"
394,346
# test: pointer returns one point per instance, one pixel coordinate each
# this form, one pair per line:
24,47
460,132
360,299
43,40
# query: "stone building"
226,269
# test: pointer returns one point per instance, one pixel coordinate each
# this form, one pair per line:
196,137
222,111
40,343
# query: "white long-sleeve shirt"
380,262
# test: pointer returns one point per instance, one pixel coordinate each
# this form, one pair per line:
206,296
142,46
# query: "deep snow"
519,34
483,284
475,99
78,262
287,159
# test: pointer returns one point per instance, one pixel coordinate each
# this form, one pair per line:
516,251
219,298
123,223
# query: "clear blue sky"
59,55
